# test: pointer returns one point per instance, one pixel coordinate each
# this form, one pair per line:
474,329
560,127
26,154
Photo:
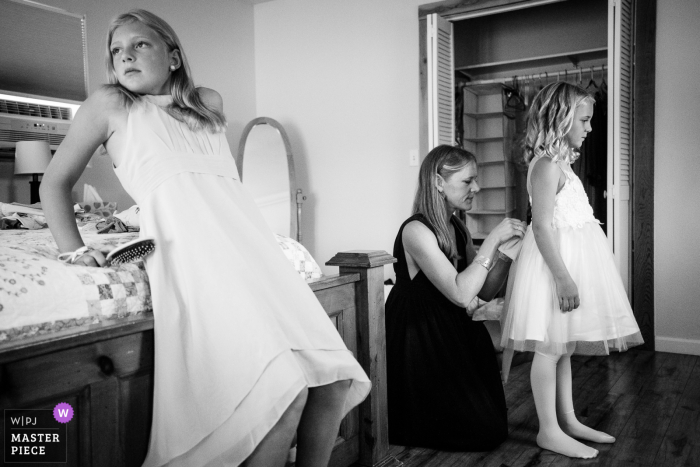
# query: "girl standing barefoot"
567,294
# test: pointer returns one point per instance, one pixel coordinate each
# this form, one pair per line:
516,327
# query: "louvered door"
440,81
620,50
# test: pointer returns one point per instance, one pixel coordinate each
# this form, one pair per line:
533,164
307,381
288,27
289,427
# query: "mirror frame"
295,196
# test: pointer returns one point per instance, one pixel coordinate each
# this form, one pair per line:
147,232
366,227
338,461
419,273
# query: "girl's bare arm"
546,180
89,129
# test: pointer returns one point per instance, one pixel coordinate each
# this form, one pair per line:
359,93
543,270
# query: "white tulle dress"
532,318
238,333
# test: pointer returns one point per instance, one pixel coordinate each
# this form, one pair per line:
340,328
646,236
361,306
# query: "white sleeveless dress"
238,333
533,320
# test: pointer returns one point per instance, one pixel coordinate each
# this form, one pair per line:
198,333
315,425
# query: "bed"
84,336
94,348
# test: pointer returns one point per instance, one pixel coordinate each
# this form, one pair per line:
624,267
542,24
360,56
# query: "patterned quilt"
40,295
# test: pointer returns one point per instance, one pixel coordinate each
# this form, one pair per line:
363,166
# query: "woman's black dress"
444,384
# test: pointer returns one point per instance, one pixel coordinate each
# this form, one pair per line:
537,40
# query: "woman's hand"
93,258
507,229
567,291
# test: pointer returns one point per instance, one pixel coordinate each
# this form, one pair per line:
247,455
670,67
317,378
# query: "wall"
676,190
218,41
342,78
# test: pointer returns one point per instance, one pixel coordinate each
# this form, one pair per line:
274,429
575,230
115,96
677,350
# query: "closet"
506,59
486,128
502,53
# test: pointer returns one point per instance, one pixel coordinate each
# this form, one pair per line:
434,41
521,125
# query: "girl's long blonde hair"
446,161
187,106
550,118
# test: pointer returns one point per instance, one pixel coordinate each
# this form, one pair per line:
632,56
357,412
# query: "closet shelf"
484,115
484,140
488,89
489,212
535,62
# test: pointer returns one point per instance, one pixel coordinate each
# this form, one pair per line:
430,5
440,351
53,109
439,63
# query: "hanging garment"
592,166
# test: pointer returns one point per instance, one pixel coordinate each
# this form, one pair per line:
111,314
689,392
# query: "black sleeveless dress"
444,384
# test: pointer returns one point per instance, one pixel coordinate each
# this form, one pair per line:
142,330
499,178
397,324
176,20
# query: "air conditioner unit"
32,119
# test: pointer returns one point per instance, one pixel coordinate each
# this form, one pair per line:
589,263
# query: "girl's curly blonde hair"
550,118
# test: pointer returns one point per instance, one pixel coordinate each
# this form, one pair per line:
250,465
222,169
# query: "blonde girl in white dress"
245,356
566,294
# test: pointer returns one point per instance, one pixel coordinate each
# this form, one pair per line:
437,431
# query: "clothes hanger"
592,81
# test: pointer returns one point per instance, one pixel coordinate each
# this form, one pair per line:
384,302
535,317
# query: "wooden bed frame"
105,373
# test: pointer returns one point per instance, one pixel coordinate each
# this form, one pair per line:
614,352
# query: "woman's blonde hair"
550,118
187,106
445,161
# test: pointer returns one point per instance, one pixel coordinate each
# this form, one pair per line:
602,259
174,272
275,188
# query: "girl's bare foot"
557,441
572,427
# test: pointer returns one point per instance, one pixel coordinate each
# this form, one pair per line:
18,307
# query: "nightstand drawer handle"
106,365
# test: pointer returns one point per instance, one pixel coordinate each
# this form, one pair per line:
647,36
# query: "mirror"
266,167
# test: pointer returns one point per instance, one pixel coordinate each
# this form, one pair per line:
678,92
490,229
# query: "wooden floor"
649,401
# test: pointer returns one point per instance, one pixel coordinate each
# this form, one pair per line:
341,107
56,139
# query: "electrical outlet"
413,158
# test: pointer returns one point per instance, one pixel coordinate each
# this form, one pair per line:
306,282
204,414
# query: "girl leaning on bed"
245,356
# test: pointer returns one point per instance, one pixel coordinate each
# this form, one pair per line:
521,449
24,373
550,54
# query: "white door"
620,134
441,127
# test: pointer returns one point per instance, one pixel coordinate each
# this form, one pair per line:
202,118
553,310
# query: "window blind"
42,51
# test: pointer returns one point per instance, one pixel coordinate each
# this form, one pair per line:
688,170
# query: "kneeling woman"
444,385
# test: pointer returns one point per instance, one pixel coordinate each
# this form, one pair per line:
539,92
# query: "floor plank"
650,401
415,456
642,436
682,438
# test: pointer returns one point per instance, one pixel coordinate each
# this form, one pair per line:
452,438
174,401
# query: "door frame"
642,161
642,190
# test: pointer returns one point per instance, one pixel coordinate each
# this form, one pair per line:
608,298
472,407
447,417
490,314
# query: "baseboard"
676,345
